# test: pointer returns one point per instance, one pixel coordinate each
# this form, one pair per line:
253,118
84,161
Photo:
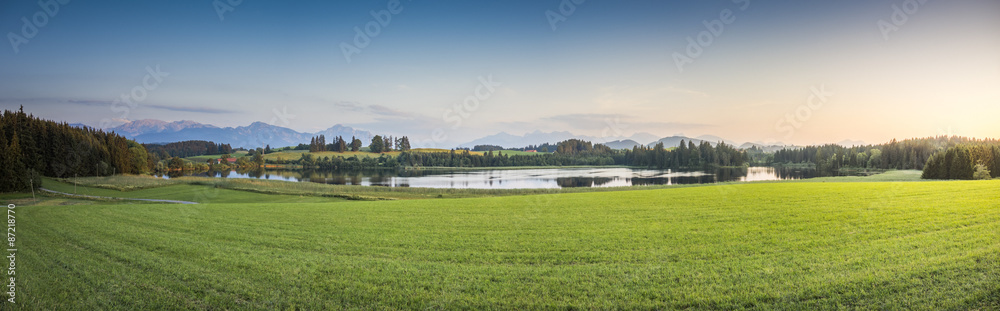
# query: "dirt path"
112,198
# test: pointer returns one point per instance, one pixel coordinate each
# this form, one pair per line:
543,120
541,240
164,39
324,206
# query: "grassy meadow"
296,154
172,189
204,158
782,245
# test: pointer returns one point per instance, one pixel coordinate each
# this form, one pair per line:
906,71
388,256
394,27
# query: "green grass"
900,175
174,190
798,246
118,182
42,198
204,158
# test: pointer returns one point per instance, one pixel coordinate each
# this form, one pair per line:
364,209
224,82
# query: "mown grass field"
162,189
224,190
204,158
296,154
803,245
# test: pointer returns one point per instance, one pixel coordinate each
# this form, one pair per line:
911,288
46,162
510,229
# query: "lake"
520,178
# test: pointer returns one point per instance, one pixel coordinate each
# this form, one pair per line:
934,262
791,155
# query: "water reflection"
518,179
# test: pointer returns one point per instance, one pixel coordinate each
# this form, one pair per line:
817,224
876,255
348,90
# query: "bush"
981,172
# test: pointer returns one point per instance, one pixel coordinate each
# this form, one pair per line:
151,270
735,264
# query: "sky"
441,72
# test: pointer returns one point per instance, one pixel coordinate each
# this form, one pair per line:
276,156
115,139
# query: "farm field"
203,158
193,188
783,245
172,190
296,154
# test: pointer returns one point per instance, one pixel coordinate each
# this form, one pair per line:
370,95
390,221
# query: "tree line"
487,148
381,144
907,154
686,155
339,144
452,158
978,160
34,147
190,148
378,144
568,153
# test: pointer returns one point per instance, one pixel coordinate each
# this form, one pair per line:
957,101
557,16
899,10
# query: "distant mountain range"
150,126
508,140
538,137
514,141
622,144
258,134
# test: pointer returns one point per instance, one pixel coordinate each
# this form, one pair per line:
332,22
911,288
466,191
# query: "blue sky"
607,69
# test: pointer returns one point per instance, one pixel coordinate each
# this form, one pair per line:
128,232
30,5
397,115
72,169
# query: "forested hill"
32,147
185,149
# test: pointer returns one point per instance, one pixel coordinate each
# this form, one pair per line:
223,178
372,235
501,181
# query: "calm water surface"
522,178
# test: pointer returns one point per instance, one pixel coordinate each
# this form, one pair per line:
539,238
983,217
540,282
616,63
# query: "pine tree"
995,165
341,144
7,158
15,173
961,165
682,154
404,144
931,169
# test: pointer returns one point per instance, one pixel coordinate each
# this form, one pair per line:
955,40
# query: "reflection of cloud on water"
761,174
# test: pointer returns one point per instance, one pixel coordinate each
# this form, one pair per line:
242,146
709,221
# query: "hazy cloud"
374,110
598,121
351,106
388,112
91,102
192,109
